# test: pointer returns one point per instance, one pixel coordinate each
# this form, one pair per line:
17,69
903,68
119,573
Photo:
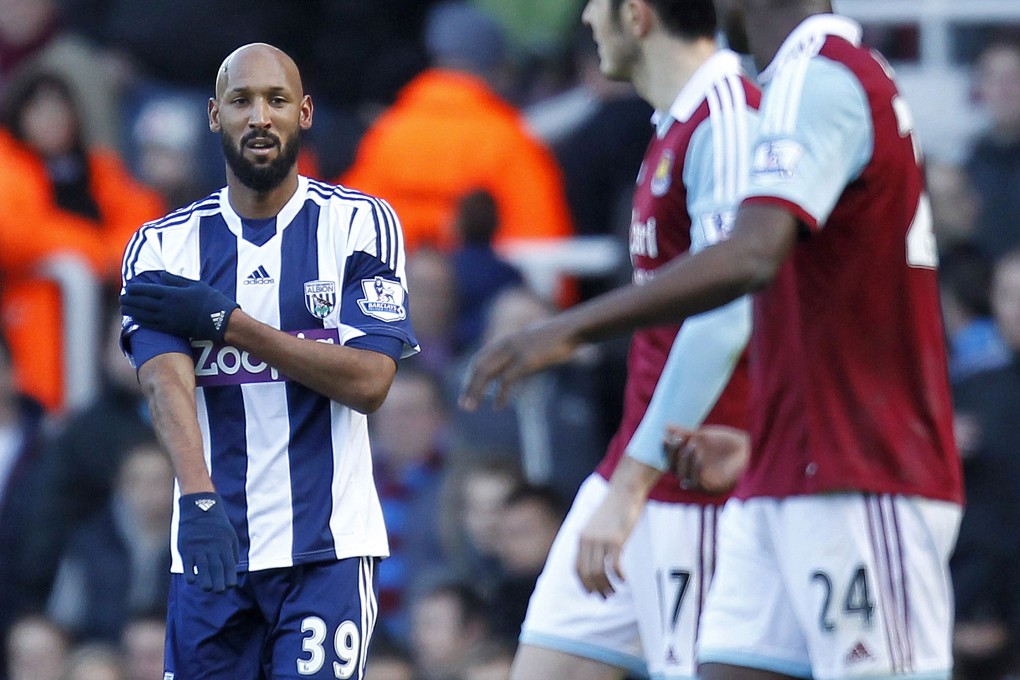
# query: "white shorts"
834,586
649,625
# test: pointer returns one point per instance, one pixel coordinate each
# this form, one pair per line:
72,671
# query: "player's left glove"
179,306
207,542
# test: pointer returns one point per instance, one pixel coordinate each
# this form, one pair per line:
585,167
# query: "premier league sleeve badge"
384,300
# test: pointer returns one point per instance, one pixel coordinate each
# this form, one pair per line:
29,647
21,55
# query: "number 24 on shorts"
856,599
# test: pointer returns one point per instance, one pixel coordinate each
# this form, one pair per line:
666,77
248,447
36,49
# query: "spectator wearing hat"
449,133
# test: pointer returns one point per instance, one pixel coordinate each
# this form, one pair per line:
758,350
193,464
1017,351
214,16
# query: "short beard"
261,178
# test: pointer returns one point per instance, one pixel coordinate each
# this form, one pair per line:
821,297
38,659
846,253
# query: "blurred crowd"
487,125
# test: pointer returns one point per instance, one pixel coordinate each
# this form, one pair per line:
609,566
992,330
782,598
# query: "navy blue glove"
207,542
179,306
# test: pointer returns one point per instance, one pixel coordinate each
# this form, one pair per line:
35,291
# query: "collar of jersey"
720,65
807,39
283,218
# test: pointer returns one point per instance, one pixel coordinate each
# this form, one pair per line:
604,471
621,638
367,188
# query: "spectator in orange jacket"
56,197
449,133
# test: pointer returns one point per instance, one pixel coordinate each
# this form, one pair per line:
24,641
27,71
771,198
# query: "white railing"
543,262
83,326
938,89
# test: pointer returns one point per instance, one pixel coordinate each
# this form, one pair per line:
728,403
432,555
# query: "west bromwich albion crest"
320,298
384,300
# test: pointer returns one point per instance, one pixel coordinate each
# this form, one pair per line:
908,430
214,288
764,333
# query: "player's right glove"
207,542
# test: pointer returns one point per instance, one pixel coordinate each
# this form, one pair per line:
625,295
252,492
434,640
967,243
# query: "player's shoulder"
344,195
183,216
813,89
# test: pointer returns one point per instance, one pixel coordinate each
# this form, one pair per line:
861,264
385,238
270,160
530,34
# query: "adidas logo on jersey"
204,504
259,277
858,653
217,319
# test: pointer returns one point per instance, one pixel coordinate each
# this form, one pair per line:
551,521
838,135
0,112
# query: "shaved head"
260,55
260,110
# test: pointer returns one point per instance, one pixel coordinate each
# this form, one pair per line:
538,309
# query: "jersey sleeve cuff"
389,345
789,206
142,344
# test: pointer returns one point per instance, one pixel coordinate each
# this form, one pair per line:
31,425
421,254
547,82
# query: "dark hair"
25,88
477,217
687,19
545,496
473,608
966,274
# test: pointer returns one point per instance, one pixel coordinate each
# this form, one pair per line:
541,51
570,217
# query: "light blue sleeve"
709,345
716,170
699,366
815,137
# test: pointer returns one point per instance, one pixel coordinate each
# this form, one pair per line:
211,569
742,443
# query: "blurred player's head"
260,110
407,427
41,110
145,483
37,649
484,487
998,85
1006,298
142,642
94,661
733,24
463,37
529,521
619,26
447,622
735,16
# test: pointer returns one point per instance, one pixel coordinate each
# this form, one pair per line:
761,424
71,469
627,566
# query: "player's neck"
668,66
255,205
773,27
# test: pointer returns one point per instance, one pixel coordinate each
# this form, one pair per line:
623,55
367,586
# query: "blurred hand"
503,362
711,459
602,539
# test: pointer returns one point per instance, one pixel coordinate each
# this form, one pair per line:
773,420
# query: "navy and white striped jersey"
294,468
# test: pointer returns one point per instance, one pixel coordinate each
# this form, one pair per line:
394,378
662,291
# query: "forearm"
168,381
356,378
691,284
632,480
700,365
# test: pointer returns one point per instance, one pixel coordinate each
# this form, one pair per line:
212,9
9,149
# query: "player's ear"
305,121
214,115
637,17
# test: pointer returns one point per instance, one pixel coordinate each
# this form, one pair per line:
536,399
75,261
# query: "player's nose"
260,114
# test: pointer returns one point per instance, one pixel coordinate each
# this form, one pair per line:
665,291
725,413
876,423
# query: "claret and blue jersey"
293,468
